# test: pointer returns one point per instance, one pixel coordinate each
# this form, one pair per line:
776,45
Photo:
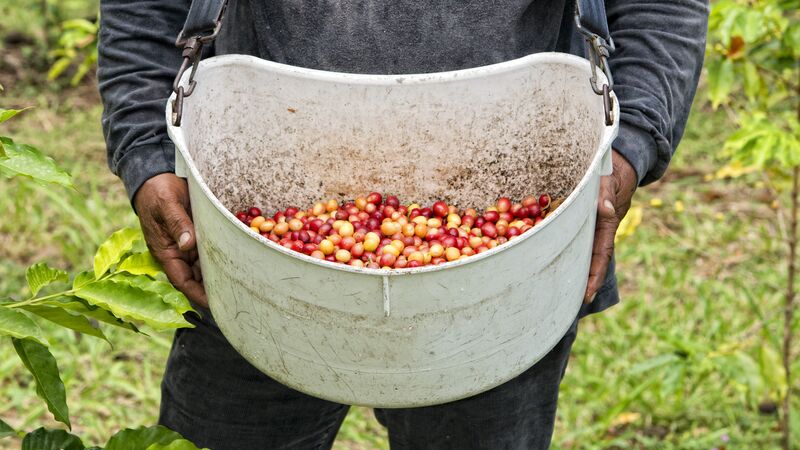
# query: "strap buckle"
192,51
599,50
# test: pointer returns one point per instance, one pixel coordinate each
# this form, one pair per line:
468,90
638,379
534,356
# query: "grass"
701,280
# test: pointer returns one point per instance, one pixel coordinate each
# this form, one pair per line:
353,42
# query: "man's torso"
395,36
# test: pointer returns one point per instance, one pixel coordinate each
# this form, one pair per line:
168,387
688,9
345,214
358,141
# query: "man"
209,393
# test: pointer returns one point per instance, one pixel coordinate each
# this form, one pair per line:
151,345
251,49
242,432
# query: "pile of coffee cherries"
378,232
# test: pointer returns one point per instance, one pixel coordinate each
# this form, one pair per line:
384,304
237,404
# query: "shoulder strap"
591,17
203,19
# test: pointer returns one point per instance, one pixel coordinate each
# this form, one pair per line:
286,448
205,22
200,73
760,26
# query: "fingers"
198,274
179,225
605,230
182,276
162,204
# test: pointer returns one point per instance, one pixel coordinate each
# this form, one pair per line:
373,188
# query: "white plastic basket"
261,133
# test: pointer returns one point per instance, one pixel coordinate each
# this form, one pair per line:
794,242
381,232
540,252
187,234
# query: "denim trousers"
216,399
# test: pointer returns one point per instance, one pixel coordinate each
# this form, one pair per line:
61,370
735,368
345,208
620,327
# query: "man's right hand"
162,203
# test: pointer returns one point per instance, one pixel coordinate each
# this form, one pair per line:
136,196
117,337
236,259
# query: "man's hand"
616,191
165,214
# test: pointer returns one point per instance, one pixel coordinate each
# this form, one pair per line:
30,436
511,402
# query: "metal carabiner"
192,51
598,50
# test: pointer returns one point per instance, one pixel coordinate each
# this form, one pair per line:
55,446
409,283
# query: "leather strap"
203,19
591,15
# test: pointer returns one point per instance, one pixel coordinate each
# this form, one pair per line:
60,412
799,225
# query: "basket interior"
275,138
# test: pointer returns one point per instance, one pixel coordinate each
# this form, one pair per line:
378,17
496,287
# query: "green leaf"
114,248
42,365
141,264
44,439
142,438
6,114
747,372
80,24
27,161
132,304
61,317
40,275
165,291
80,306
179,444
82,279
752,81
58,68
6,430
772,370
720,81
17,325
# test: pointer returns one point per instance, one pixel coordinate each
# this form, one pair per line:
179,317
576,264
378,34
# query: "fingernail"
607,203
184,239
592,298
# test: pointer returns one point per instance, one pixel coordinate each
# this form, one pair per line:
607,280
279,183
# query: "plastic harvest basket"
261,133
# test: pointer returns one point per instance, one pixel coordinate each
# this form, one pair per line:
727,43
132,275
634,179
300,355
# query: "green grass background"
701,281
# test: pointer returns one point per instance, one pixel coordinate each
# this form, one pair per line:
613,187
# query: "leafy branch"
125,287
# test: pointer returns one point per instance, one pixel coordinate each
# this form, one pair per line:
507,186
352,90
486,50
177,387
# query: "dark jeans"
216,399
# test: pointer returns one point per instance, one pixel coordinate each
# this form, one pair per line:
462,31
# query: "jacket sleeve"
137,63
656,66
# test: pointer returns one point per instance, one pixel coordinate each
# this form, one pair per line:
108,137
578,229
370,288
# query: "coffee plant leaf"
63,318
179,444
82,307
131,303
49,387
6,430
721,78
18,325
141,264
83,278
46,439
165,290
114,248
142,438
6,114
40,275
27,161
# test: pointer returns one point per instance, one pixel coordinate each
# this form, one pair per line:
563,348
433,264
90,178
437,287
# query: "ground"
684,362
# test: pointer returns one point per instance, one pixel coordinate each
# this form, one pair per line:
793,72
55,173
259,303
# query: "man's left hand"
616,191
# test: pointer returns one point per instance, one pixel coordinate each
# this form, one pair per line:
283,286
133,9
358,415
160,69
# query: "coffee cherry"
544,201
503,204
491,216
489,229
326,247
295,224
281,228
346,229
440,209
387,260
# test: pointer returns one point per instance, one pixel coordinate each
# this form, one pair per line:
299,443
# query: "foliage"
76,47
124,288
753,70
